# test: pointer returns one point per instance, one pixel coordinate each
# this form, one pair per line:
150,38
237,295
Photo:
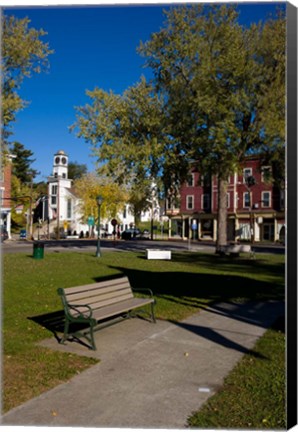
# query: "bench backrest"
98,294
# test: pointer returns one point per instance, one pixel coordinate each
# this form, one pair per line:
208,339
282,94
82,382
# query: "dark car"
131,233
3,234
23,234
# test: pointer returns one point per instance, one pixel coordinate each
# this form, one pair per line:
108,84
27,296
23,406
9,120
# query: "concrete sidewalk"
151,375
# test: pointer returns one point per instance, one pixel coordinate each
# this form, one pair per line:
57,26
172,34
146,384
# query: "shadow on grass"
191,288
52,321
231,264
240,298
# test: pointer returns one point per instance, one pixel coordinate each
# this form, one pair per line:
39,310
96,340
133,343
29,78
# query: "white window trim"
69,208
250,173
187,202
250,199
265,167
263,205
191,181
228,200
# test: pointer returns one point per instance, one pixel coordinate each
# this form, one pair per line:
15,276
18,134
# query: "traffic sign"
91,220
114,222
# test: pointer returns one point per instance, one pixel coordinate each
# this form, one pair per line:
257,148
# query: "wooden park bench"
87,305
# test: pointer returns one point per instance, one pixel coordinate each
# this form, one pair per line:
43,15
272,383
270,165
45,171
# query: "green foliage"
89,186
218,95
217,77
125,133
220,82
76,170
21,164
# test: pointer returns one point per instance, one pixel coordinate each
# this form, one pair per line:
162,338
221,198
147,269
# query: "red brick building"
5,194
254,213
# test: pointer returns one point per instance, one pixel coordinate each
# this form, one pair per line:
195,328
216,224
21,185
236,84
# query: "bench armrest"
144,289
77,308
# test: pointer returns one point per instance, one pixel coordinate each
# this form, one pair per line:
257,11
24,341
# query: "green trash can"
38,250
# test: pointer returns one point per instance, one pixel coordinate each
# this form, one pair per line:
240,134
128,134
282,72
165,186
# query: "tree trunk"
221,241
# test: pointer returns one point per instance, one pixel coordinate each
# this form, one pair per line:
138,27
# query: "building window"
247,172
236,200
266,174
53,200
69,209
189,202
246,199
228,200
54,190
191,180
124,213
266,199
205,202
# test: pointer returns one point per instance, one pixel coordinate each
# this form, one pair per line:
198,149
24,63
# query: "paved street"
13,246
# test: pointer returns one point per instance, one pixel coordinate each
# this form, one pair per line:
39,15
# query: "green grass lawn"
182,286
253,394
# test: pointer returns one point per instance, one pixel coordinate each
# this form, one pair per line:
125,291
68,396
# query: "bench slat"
112,283
89,296
110,301
119,308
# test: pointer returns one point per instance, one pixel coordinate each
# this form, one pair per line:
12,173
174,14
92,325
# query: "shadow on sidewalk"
240,298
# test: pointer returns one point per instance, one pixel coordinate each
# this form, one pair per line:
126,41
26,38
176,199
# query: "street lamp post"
99,202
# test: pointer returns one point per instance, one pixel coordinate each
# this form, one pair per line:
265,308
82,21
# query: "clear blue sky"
94,46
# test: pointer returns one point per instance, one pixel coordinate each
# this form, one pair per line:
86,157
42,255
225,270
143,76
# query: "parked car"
145,234
23,234
104,233
3,234
131,233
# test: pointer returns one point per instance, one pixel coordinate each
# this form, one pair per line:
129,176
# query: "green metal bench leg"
92,337
152,313
65,334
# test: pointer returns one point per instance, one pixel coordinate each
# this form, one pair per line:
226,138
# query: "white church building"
64,210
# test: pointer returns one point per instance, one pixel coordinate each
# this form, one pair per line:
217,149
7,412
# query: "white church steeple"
60,165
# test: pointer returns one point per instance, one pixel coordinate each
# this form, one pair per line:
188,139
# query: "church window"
69,209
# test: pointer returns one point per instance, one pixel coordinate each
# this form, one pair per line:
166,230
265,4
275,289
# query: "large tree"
219,81
76,170
23,53
211,103
125,132
22,162
89,186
